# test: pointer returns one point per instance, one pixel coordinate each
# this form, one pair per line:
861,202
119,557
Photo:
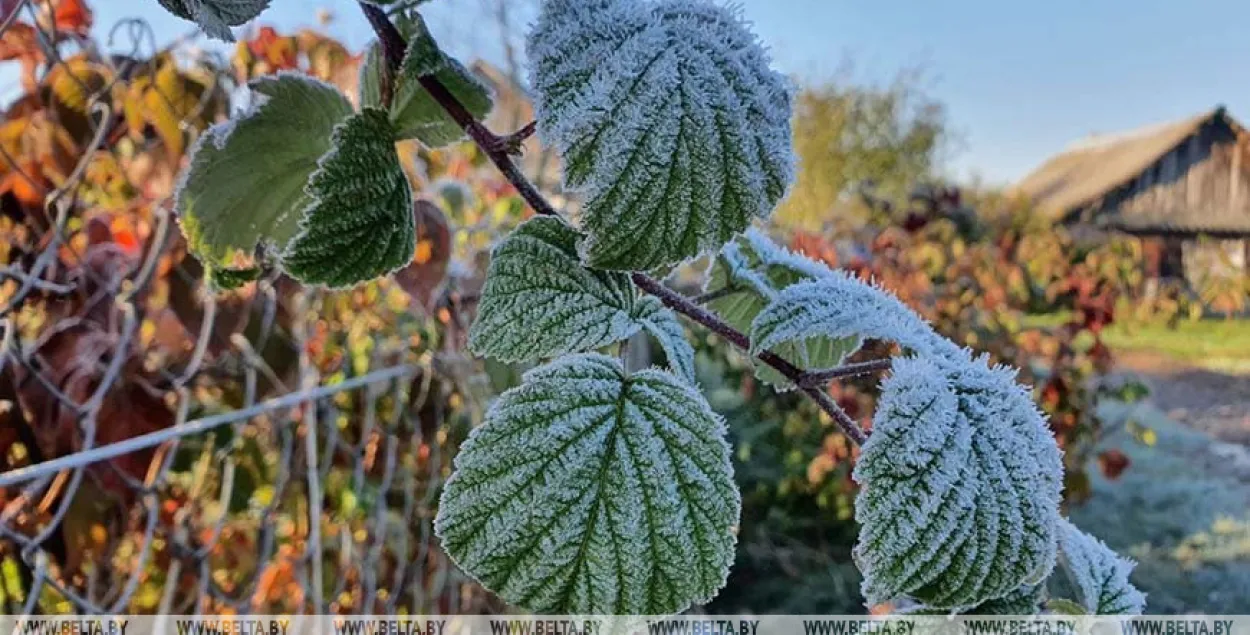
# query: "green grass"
1212,343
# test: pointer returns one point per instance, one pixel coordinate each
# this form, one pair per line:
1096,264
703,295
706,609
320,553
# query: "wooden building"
1182,186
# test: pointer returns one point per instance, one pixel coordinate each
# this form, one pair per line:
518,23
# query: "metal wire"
250,496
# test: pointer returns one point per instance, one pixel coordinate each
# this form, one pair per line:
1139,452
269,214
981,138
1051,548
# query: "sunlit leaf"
414,111
245,184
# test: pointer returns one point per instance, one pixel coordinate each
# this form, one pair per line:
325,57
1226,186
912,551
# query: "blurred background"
1063,186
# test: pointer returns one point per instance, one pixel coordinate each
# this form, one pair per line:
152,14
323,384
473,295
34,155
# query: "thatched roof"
1091,168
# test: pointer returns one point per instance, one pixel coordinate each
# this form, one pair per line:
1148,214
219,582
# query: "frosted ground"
1182,509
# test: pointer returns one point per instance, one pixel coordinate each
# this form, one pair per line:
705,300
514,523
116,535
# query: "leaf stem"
497,148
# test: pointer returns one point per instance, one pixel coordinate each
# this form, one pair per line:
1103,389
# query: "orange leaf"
73,16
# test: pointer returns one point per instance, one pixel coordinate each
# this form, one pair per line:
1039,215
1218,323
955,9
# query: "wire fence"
166,451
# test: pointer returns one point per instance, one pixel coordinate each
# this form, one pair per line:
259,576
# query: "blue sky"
1021,79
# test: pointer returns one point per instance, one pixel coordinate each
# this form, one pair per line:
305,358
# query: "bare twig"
393,45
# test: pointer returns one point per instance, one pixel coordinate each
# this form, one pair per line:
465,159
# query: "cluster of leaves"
594,486
112,178
976,281
335,185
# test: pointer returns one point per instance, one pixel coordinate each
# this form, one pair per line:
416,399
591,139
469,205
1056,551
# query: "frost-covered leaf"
1025,600
662,324
359,224
834,314
539,301
592,491
1099,574
413,111
669,120
216,16
959,486
245,183
750,272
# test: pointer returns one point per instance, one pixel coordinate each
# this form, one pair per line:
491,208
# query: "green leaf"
539,301
752,270
959,486
662,324
360,223
1099,574
592,491
245,183
414,112
841,309
231,278
216,16
669,120
1025,600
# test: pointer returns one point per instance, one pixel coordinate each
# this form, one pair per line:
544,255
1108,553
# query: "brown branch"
817,378
497,149
712,322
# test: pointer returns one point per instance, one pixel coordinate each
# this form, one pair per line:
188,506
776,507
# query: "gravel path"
1213,402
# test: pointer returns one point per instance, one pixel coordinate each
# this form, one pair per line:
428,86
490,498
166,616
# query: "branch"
497,149
817,378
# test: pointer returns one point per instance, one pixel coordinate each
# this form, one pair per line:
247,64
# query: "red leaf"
1113,463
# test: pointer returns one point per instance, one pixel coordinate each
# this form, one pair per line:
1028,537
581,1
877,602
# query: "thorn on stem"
513,144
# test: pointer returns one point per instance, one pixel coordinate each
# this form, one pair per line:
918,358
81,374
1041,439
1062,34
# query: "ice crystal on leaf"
413,111
835,313
749,273
662,324
1099,575
216,16
359,224
540,301
669,121
589,490
245,184
959,486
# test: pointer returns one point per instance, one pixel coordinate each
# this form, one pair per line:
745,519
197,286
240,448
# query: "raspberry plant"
598,488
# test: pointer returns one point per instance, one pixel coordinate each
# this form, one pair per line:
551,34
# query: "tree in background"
850,135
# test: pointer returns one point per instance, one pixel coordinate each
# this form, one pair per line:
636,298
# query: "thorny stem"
497,149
